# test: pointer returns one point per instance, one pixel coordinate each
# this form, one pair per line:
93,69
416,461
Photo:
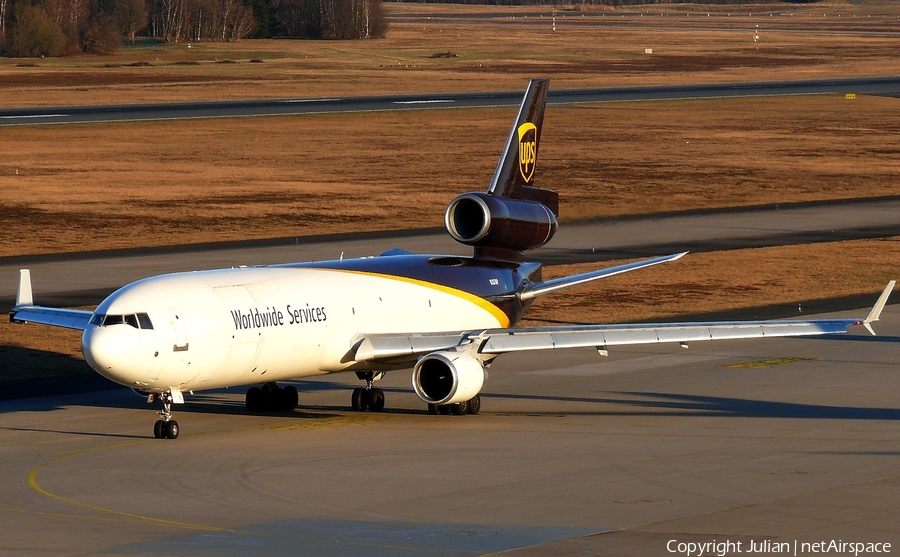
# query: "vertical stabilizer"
514,176
514,215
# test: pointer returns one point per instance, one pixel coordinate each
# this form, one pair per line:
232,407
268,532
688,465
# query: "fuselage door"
181,342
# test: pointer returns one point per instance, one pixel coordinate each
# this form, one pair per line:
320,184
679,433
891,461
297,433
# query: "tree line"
32,28
615,3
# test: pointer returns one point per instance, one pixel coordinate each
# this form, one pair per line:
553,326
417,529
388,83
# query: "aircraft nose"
112,351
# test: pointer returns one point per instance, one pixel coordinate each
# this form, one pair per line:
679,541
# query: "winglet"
24,296
879,305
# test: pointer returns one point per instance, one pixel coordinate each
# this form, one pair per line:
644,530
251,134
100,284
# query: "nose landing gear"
166,427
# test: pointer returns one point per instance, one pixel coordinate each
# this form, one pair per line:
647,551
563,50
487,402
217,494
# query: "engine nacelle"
447,377
479,219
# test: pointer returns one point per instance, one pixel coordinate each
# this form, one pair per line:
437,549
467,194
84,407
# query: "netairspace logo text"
728,547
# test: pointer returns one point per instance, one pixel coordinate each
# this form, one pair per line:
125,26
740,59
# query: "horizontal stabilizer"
540,288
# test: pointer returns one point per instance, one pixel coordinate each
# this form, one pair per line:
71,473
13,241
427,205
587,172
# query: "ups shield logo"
527,150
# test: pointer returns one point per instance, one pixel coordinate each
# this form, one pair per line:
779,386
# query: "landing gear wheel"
433,409
253,399
443,409
475,404
290,397
460,408
166,427
375,400
358,400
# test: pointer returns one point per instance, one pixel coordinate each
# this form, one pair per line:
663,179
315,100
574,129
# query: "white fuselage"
214,329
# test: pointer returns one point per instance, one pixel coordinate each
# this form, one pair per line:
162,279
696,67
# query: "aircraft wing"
26,312
499,341
68,318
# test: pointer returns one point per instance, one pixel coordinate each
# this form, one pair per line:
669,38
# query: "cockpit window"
144,320
113,320
136,320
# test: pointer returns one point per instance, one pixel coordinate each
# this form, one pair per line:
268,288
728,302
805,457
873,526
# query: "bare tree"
352,19
3,5
172,20
132,17
242,23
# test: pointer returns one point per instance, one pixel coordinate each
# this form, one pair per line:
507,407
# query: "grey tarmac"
782,440
879,85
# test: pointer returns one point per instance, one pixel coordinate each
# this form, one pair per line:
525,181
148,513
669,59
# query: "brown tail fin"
514,176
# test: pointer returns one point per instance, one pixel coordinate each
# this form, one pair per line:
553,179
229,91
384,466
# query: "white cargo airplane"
446,317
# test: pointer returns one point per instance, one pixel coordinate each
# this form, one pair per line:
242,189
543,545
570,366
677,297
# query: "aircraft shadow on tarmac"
856,338
224,402
685,405
89,391
636,404
62,432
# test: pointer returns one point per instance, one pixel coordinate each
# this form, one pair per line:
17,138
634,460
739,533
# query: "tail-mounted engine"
514,215
485,221
447,377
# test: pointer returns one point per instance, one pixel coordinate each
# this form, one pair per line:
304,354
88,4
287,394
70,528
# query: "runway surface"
885,86
787,440
773,22
87,278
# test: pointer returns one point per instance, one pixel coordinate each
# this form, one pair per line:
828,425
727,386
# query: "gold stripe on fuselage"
498,314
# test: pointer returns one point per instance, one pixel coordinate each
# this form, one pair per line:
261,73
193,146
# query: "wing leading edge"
492,342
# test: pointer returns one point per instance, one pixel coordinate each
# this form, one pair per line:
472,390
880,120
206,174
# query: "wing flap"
376,347
499,341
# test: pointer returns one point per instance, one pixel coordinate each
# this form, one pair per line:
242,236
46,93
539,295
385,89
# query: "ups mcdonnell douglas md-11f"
447,317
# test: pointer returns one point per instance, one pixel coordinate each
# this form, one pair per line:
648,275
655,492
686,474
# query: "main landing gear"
272,398
471,406
368,398
166,427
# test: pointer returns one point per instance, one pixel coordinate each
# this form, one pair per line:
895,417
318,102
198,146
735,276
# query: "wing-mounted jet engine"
513,216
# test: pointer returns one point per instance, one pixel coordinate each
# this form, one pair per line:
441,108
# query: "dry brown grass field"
99,186
586,51
723,281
